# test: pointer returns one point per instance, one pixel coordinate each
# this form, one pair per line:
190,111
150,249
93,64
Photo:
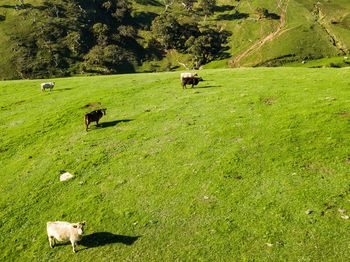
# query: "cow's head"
103,110
79,227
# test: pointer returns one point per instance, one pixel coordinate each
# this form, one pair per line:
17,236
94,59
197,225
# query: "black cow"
94,116
193,81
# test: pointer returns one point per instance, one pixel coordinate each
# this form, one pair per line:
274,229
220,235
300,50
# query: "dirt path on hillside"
320,19
270,37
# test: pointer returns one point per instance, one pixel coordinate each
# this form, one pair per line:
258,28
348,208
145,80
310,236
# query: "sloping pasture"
253,164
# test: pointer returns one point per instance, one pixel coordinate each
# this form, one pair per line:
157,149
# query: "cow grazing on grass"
94,116
48,85
65,231
193,81
185,75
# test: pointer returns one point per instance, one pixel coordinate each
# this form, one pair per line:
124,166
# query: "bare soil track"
280,30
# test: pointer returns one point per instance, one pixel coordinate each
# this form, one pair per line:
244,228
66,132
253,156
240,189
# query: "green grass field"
222,172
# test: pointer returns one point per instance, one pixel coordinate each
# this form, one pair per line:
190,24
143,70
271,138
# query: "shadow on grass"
223,8
207,86
113,123
235,16
106,238
24,6
61,89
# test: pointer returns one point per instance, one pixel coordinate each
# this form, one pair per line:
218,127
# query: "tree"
207,7
107,59
101,33
167,4
207,47
167,30
70,34
261,12
188,4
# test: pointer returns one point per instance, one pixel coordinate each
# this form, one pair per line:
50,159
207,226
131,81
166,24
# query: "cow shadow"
61,89
106,238
113,123
209,86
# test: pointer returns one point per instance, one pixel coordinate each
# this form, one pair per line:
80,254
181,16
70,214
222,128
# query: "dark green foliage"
262,12
108,59
101,36
96,35
188,4
207,6
207,47
167,30
204,46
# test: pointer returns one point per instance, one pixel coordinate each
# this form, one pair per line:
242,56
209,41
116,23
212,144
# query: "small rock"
328,98
308,212
345,217
66,176
205,197
81,183
269,244
342,211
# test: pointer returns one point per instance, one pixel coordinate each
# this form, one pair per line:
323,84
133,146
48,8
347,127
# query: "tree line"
101,36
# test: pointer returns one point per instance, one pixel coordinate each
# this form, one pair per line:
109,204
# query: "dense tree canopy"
204,45
76,35
101,36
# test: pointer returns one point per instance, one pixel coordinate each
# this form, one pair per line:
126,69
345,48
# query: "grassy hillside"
220,172
311,30
294,31
11,23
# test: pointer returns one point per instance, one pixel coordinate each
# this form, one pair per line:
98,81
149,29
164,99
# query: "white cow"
64,231
185,75
48,85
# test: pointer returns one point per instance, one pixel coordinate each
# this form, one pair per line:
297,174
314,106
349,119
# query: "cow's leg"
73,245
51,241
86,124
97,122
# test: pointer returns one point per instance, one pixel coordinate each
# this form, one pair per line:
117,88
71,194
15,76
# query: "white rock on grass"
66,176
308,212
342,211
